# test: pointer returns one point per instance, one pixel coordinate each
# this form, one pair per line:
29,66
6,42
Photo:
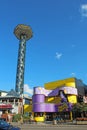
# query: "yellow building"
56,97
69,82
27,106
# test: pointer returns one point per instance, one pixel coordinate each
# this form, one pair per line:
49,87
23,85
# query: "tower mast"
23,33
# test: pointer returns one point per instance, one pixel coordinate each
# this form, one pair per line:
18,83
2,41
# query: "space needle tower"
23,33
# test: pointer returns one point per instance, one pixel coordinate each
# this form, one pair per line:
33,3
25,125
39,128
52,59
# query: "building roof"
12,93
3,91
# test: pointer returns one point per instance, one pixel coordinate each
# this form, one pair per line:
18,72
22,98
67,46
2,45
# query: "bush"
16,117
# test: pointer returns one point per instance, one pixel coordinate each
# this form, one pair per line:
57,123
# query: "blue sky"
58,48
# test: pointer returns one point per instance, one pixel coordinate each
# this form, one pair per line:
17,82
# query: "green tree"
80,108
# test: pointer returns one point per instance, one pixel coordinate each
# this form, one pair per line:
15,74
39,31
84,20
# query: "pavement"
50,125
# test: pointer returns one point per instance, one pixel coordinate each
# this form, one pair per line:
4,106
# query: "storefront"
46,103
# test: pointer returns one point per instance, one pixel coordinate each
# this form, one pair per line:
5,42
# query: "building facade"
57,98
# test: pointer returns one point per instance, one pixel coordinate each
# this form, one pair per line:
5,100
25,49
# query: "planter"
81,119
81,122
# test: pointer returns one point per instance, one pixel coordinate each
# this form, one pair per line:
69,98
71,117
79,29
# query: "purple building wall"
38,99
39,104
44,107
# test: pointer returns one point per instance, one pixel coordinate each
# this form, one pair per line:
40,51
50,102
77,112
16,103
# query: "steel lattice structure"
23,33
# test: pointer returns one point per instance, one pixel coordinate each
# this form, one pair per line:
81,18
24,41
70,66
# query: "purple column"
38,98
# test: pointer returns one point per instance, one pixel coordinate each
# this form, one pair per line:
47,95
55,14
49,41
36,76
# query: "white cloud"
73,74
28,89
84,10
58,55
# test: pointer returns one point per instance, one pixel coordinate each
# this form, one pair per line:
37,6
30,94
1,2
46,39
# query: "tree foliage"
80,107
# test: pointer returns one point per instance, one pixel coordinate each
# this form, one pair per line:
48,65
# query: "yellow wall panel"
60,83
27,108
72,98
50,99
70,84
55,100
